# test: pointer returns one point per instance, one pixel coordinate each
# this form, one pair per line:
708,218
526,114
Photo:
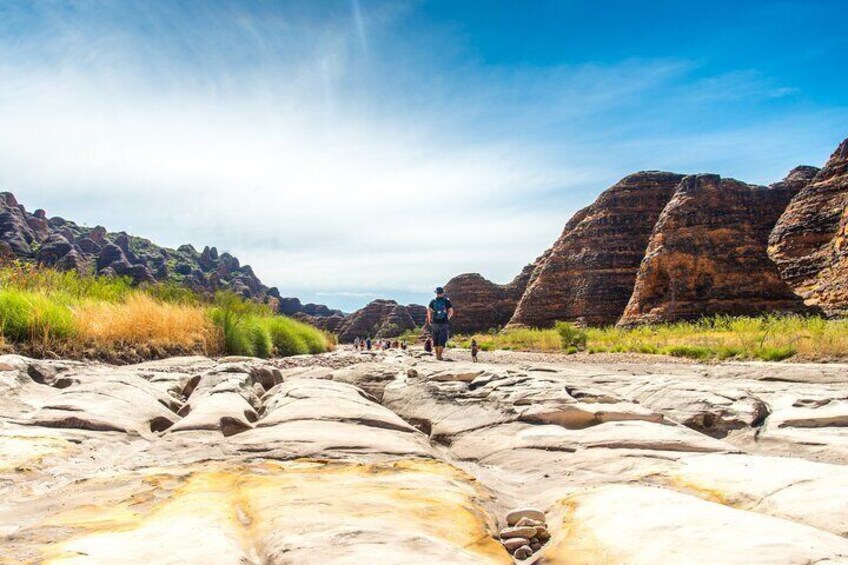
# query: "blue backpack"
440,310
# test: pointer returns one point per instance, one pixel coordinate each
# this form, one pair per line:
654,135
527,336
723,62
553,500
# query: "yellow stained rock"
305,511
21,450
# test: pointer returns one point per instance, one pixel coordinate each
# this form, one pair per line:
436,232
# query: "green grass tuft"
33,317
689,351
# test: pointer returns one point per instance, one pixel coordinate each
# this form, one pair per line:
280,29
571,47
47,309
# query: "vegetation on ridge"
49,312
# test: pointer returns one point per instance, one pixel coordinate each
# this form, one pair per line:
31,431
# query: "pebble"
512,544
529,522
518,532
513,517
523,552
535,546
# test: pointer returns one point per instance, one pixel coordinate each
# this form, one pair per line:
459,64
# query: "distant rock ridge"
291,306
378,319
62,244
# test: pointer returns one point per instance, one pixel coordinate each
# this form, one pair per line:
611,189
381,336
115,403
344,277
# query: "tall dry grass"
141,320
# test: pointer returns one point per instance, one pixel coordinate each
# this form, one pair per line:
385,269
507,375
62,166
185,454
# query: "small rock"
542,534
236,359
518,532
513,517
529,522
512,544
535,546
523,552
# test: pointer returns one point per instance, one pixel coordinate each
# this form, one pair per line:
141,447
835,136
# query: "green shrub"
689,351
31,316
571,350
314,340
571,335
236,340
726,352
15,315
286,339
260,339
775,353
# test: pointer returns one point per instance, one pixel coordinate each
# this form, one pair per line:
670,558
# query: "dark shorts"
440,334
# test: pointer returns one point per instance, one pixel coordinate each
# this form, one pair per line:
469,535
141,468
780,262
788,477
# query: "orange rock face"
708,255
809,244
588,274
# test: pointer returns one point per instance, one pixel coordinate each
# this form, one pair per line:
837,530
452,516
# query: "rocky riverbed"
394,458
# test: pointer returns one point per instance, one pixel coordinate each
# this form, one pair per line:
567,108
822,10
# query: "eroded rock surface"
393,458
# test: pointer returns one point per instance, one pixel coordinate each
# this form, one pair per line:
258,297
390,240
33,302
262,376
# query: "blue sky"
354,149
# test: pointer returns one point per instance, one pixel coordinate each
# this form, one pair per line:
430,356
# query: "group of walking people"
439,313
367,344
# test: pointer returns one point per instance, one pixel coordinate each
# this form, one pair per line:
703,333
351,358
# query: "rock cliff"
482,304
809,244
707,254
588,274
378,319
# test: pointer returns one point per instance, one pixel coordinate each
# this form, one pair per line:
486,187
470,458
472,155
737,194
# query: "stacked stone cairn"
526,532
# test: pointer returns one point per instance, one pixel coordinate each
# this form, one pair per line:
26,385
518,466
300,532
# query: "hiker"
439,314
356,344
474,349
368,343
428,344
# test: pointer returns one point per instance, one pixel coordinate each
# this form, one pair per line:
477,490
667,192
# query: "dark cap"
440,290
